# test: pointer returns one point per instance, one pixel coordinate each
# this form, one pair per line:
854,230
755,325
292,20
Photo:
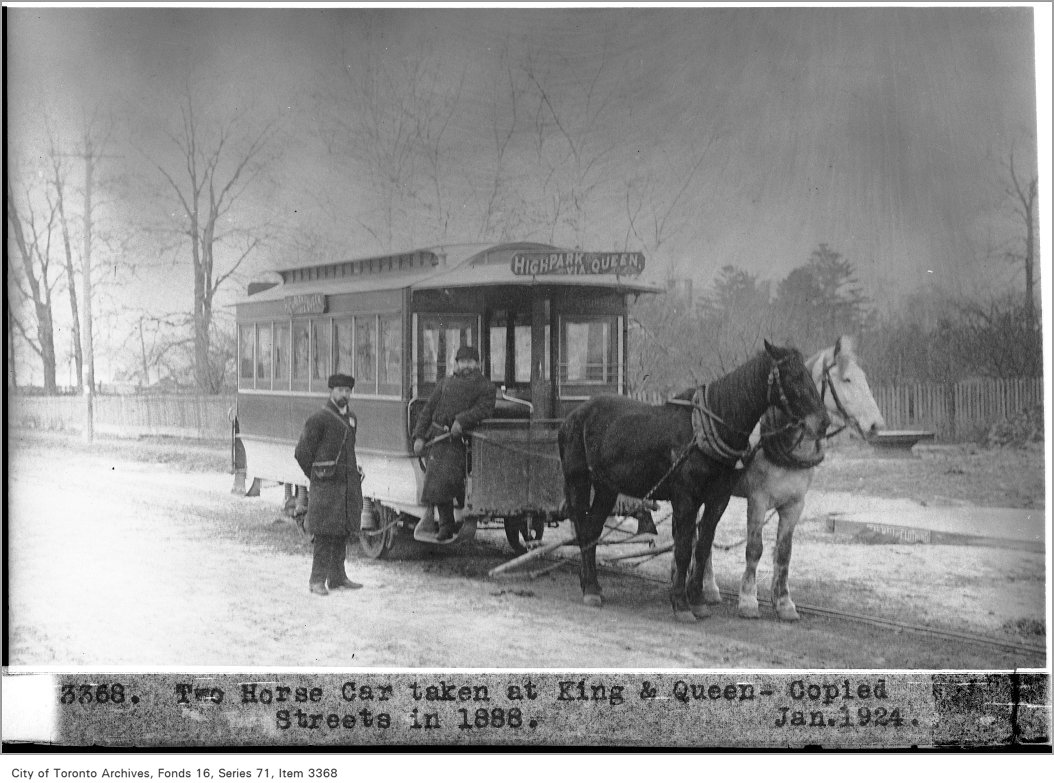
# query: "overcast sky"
879,131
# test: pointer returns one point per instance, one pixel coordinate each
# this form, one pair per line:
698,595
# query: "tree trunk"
46,336
1030,293
71,283
12,364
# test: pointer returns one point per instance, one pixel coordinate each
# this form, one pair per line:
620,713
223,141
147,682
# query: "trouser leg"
320,561
338,552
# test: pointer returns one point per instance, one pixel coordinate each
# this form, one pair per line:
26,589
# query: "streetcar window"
589,350
345,347
503,322
440,337
366,354
281,355
320,352
246,341
301,355
391,358
263,355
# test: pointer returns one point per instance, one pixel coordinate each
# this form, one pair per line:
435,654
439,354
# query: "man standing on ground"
458,404
326,454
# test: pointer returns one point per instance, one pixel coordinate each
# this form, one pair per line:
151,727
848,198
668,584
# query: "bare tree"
32,235
389,120
59,173
1024,194
503,123
657,203
217,162
570,147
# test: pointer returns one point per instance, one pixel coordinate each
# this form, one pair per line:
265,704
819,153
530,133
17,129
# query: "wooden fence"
955,411
172,415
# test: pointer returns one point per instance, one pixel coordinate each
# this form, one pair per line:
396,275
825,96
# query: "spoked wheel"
377,544
520,531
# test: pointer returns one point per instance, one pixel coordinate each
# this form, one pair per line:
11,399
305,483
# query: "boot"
426,528
446,532
447,527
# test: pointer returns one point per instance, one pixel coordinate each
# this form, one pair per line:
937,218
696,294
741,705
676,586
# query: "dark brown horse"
684,451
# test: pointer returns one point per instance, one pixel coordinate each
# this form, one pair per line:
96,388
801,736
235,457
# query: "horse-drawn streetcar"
551,328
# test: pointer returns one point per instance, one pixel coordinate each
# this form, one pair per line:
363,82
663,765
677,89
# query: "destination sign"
574,262
305,304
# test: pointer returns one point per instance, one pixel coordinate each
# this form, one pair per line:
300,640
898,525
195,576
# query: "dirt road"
116,560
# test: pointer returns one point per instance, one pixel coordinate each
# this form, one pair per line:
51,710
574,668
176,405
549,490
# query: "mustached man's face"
467,364
340,395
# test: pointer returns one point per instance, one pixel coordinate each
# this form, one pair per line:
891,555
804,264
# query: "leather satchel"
327,469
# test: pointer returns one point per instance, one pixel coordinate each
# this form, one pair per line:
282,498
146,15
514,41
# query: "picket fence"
955,412
173,415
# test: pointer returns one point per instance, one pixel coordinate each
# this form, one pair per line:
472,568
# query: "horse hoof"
592,599
749,611
684,617
712,598
700,611
788,615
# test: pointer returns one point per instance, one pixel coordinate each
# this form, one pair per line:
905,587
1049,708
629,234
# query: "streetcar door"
436,340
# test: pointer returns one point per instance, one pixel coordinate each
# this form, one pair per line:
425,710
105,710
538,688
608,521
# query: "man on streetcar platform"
326,454
458,404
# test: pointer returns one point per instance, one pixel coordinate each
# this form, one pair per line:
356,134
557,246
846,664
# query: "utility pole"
86,330
89,155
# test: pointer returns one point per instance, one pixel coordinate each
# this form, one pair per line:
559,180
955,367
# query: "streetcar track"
1017,648
964,637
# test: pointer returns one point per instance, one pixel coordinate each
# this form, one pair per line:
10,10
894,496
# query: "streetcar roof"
439,267
493,265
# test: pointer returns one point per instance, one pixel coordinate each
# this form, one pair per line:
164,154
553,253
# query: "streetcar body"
550,325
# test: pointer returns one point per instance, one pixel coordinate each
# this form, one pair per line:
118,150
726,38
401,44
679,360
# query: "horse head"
844,388
791,389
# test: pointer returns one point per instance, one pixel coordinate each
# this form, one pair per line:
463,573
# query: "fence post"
950,402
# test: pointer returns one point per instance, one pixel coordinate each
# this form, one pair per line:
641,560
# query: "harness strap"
847,418
707,436
784,454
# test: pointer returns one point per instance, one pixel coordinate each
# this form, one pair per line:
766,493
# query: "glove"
455,429
419,447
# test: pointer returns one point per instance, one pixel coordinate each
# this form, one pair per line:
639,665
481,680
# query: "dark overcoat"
468,397
334,505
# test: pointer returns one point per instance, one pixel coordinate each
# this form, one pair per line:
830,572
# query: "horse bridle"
775,379
847,418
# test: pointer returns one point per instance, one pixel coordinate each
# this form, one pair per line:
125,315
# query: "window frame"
614,353
475,331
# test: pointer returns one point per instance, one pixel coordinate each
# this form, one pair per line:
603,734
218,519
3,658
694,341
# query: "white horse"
781,472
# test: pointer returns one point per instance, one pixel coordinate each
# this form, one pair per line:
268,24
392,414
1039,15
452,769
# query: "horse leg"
711,592
683,531
704,541
576,496
781,599
588,535
748,587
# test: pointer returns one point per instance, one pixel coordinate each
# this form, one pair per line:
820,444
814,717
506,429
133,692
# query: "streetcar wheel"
378,544
519,532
